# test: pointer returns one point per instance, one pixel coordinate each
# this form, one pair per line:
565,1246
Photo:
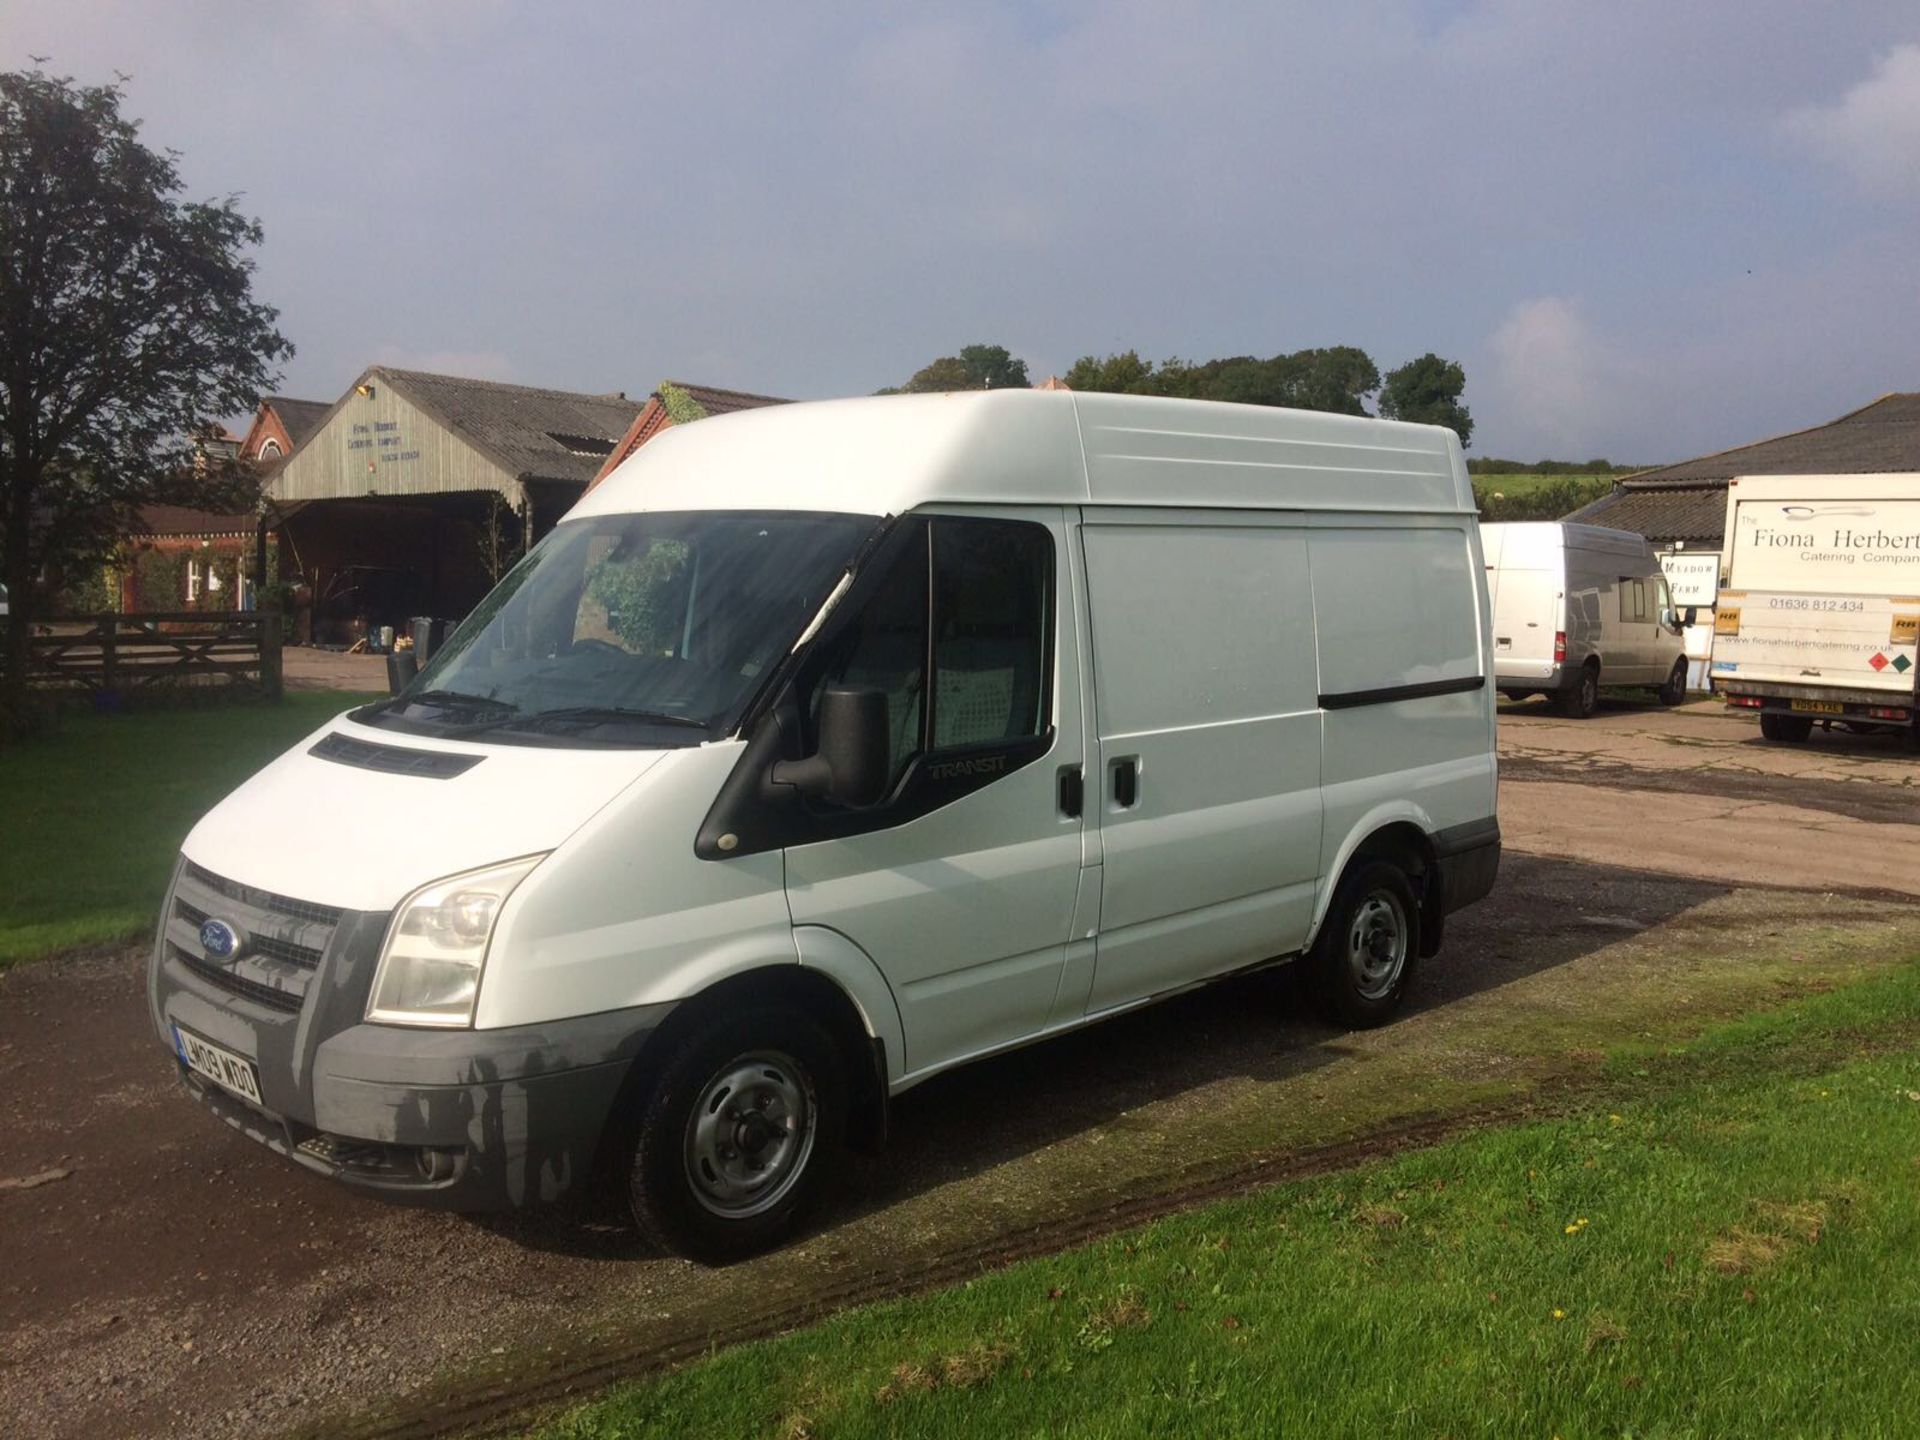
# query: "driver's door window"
991,598
885,649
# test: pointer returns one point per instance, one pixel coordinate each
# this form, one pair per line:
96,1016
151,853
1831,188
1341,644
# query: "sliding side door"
1207,780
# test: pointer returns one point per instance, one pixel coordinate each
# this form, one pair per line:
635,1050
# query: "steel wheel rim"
751,1134
1377,944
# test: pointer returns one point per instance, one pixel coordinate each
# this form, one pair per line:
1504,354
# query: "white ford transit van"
826,747
1576,607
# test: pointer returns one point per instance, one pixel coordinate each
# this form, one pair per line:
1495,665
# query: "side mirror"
402,666
1688,616
850,767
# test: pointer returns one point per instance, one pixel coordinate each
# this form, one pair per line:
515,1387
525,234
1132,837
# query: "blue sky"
1647,229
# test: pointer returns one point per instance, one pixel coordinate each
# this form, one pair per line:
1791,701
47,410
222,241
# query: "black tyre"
1778,725
1675,690
1580,699
737,1134
1364,957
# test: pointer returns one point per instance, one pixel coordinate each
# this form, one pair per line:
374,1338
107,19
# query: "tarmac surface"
165,1276
304,668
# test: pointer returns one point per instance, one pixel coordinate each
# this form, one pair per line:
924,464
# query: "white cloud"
1872,131
1552,388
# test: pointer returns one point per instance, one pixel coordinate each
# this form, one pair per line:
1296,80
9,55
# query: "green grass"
1537,497
92,816
1726,1245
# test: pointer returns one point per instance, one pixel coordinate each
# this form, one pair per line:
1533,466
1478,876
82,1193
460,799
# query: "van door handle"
1073,791
1126,782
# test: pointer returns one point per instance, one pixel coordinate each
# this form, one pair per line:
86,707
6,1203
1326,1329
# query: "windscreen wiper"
458,697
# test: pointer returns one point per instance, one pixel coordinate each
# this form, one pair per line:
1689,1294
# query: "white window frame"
193,578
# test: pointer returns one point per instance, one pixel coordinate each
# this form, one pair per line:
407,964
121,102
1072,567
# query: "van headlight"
429,971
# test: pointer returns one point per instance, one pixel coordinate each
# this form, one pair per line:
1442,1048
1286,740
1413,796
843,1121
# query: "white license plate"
223,1067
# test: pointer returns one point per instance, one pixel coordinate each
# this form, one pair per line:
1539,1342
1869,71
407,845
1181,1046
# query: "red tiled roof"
653,418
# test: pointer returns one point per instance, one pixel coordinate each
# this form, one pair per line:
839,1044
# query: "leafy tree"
976,367
1427,391
127,326
1122,374
1338,379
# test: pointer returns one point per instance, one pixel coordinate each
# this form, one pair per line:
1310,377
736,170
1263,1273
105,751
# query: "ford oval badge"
219,939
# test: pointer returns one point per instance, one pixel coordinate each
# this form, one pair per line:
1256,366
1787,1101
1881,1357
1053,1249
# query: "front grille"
235,984
285,940
305,956
265,899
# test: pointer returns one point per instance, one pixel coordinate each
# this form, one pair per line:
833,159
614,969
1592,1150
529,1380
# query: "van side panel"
1204,676
1408,710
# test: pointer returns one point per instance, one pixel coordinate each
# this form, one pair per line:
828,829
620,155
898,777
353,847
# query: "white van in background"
1578,607
829,746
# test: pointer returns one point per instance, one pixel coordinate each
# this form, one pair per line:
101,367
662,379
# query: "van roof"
886,455
1563,533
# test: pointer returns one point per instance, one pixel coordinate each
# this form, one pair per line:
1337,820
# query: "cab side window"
990,606
969,602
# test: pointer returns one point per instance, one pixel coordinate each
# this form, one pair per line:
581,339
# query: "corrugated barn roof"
1688,501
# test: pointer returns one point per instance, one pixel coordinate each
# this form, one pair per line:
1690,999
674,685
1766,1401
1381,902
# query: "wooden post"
271,676
109,625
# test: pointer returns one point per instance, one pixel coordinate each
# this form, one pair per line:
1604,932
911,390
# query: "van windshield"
650,629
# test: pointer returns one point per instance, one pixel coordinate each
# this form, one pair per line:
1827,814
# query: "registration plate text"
1819,707
219,1065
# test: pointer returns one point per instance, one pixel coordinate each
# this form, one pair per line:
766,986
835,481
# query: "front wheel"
1363,959
736,1134
1675,690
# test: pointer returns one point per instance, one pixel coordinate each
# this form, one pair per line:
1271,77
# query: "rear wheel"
736,1134
1675,690
1778,725
1363,959
1580,699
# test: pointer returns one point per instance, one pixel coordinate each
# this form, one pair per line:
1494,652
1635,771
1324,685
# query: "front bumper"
460,1119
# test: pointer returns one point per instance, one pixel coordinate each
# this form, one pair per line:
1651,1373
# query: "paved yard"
304,668
1698,791
174,1279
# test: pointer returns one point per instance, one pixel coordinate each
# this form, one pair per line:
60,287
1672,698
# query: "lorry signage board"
1846,547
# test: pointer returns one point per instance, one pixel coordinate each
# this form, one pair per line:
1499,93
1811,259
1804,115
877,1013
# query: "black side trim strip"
394,759
1350,699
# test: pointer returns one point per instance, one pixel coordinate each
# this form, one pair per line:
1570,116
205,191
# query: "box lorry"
1820,602
1579,607
826,747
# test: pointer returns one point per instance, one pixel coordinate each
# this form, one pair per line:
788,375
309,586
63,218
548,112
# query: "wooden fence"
120,654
